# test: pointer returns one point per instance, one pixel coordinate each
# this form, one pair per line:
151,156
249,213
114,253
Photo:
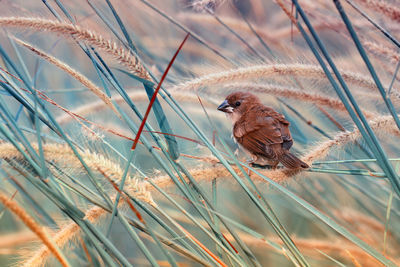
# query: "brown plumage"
260,130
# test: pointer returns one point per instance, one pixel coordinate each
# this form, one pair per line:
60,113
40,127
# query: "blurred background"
248,45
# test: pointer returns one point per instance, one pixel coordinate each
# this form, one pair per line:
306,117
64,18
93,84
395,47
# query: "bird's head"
238,103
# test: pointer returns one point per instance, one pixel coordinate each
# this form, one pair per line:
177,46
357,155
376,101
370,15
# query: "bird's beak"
225,107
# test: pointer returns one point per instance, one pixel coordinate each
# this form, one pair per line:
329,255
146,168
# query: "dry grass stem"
88,36
78,76
268,71
34,226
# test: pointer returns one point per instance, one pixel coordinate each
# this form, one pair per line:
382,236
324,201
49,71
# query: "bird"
261,131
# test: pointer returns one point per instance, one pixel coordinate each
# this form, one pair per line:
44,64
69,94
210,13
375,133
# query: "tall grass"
82,82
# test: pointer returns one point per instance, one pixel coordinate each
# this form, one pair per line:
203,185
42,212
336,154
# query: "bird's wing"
263,131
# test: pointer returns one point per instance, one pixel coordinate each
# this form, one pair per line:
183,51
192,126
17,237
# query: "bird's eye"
237,103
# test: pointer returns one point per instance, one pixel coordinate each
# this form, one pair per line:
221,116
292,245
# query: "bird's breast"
233,117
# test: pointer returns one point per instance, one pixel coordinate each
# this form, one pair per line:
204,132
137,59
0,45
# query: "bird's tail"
291,161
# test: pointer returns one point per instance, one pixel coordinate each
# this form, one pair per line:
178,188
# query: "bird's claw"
250,162
259,166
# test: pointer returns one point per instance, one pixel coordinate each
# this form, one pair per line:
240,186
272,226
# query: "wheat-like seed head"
204,5
59,152
381,50
274,36
67,233
74,73
338,246
137,97
382,124
63,155
292,93
35,227
17,239
267,71
387,9
85,35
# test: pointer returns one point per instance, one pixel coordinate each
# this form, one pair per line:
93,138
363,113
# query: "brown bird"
260,130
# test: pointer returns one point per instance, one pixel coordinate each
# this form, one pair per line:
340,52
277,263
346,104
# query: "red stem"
153,98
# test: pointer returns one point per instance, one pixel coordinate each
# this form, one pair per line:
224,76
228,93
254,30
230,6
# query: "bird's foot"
252,163
268,167
265,167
